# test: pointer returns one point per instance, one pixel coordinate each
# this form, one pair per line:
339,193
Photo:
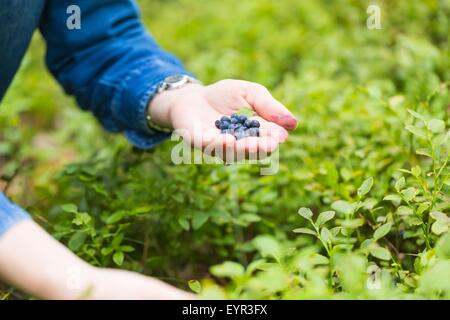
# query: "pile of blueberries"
238,126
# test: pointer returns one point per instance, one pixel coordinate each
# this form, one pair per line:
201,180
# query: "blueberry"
253,132
229,131
218,124
255,124
234,115
224,119
234,120
233,126
224,125
242,119
247,123
241,133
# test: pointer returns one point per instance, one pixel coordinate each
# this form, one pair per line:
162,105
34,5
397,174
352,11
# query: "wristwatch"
170,83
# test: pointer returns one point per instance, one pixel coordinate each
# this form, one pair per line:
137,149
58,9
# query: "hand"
193,109
32,260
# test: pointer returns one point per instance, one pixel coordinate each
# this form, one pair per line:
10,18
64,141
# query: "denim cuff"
133,96
10,214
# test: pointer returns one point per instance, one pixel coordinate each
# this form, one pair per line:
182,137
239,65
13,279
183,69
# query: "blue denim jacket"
111,65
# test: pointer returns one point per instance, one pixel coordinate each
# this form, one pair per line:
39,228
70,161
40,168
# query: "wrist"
161,107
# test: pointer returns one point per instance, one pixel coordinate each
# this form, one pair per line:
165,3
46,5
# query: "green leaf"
106,251
249,218
267,246
305,213
422,208
305,231
118,258
117,240
77,240
352,223
199,219
71,208
416,171
343,206
115,217
404,211
365,187
436,125
382,231
400,184
81,218
423,152
366,245
324,217
195,286
418,132
127,248
326,235
184,223
380,253
318,259
439,216
439,227
447,182
416,114
410,193
228,269
440,139
393,198
335,231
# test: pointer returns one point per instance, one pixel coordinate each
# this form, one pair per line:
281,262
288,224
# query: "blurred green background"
349,86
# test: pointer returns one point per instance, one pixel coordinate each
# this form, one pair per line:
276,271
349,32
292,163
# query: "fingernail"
287,121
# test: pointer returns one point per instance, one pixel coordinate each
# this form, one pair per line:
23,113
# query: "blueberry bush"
359,208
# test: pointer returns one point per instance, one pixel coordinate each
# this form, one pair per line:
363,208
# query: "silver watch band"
169,83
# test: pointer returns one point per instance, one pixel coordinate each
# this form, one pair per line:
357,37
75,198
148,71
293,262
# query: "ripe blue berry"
224,125
233,126
234,120
255,124
239,135
242,119
247,123
224,119
253,132
218,123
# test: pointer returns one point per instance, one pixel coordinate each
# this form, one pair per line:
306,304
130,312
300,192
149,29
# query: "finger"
255,148
222,146
260,99
271,129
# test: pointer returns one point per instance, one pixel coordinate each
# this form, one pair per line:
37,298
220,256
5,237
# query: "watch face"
174,79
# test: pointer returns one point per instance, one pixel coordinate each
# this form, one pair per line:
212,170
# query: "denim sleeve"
9,214
111,64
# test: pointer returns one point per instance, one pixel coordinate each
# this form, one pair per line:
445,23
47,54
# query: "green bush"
368,166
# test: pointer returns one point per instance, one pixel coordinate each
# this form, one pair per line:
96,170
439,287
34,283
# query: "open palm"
193,115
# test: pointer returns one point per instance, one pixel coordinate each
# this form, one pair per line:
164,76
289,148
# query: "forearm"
33,261
112,65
